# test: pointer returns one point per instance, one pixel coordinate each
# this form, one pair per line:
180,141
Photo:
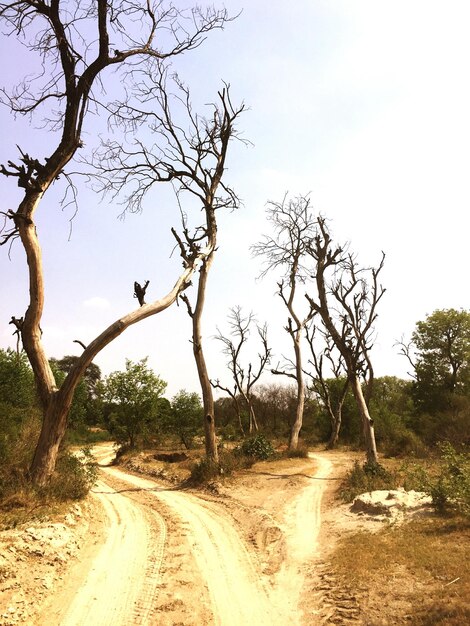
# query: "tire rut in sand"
121,583
237,592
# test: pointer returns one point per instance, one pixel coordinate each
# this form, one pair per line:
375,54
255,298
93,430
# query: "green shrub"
449,486
257,447
73,477
204,471
403,442
365,478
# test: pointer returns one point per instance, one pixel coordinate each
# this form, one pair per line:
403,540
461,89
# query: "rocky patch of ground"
33,560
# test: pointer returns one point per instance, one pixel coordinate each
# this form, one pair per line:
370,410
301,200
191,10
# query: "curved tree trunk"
56,404
367,421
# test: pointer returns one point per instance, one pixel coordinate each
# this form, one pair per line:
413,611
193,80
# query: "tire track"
238,595
120,587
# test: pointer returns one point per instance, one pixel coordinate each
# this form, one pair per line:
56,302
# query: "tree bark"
367,421
299,413
206,387
335,428
51,436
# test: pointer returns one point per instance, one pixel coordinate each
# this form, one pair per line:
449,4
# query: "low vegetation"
421,568
446,478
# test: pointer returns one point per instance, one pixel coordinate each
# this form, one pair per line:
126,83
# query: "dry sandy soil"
251,551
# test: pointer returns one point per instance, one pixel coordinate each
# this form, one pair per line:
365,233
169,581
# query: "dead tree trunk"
349,318
367,421
288,250
73,43
204,380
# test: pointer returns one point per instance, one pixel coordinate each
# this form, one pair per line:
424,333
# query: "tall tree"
439,352
288,251
76,42
345,299
244,377
192,155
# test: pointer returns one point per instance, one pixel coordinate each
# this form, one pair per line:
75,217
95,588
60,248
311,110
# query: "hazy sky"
363,104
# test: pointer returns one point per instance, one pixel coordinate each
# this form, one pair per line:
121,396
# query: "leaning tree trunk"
367,421
335,428
299,413
206,387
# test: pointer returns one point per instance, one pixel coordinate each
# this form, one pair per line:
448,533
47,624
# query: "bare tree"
346,302
320,385
288,251
245,378
192,155
76,42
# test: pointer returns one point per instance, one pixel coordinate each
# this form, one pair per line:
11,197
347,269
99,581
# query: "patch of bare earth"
269,546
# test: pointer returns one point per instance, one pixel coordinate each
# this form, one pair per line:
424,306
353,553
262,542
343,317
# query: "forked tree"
76,42
328,353
345,299
288,251
191,152
244,377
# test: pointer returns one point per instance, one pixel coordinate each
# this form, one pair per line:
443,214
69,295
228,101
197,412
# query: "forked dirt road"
176,558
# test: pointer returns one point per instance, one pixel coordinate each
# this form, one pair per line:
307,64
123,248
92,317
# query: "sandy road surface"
122,586
238,595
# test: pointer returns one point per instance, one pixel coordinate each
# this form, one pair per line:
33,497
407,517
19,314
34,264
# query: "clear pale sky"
363,104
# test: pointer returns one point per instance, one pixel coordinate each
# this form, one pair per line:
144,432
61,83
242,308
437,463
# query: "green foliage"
365,478
185,417
442,367
132,398
74,476
257,447
206,470
86,407
16,380
449,486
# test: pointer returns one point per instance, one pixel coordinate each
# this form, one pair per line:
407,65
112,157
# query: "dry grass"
418,573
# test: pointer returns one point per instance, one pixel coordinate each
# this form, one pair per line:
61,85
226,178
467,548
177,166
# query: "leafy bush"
74,476
365,478
257,447
449,486
204,471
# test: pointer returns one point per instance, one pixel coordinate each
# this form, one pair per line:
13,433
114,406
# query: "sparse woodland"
329,394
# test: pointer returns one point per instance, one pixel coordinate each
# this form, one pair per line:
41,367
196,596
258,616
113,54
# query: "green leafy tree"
134,396
439,352
16,379
185,417
18,413
86,407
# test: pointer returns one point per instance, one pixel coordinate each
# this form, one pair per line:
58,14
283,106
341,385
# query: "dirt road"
172,557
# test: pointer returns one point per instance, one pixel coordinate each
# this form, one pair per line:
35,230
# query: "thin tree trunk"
206,387
335,428
367,421
239,417
299,413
